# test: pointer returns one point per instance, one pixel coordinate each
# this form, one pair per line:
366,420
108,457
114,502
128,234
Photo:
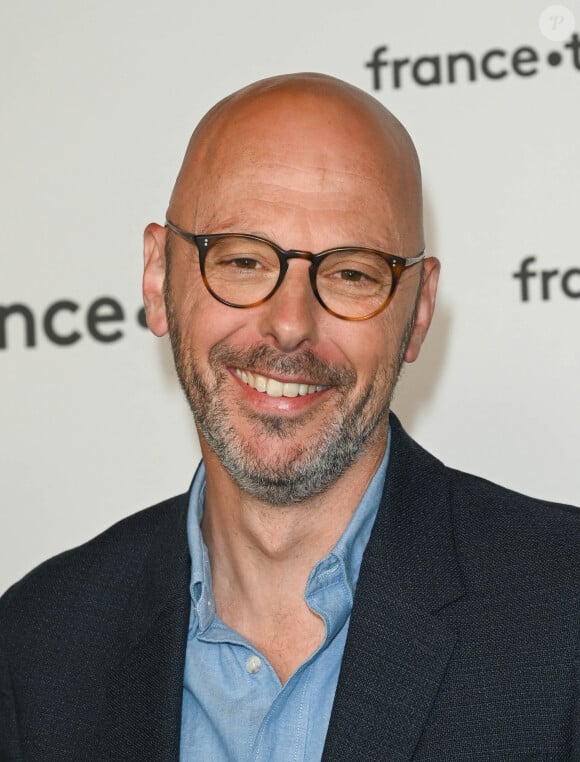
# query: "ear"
154,278
425,308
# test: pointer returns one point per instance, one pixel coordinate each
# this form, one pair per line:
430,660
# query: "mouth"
274,388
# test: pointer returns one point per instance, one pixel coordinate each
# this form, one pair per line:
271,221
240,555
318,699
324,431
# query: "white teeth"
291,390
274,388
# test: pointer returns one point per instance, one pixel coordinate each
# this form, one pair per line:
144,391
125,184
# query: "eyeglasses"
243,271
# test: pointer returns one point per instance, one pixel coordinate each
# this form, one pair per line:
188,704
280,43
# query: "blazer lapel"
142,715
397,648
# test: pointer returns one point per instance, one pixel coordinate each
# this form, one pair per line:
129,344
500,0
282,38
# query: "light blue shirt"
234,706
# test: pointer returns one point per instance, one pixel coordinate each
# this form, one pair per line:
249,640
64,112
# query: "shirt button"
253,664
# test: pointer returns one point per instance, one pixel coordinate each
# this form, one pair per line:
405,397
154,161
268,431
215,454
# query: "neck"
253,545
261,556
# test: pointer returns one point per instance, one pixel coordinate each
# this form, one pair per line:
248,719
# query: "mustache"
262,358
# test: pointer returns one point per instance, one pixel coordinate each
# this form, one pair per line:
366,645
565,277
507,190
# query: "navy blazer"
462,645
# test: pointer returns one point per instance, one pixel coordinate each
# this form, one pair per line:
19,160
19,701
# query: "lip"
276,388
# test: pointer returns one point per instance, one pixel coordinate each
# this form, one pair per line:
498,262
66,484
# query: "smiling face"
287,396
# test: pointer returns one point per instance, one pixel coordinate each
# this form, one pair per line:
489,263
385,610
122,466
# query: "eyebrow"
243,223
235,224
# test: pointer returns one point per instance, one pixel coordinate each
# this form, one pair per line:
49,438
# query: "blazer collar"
398,647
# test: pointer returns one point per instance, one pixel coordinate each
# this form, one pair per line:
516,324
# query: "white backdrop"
98,101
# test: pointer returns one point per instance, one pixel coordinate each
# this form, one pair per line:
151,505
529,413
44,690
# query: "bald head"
303,136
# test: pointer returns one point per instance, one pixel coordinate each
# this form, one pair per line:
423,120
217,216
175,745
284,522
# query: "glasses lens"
240,270
354,283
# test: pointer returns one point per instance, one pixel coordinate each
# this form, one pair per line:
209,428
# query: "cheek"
203,322
374,349
188,308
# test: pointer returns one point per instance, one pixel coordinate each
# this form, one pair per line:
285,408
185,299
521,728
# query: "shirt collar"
351,545
332,582
200,587
341,565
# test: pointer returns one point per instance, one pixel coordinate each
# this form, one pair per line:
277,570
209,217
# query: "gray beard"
316,465
313,468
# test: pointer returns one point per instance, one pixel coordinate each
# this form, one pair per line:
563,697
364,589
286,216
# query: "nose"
290,317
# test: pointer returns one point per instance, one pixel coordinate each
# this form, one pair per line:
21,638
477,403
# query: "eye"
240,257
344,273
354,276
243,263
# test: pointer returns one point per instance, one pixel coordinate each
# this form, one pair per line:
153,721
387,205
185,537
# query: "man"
327,588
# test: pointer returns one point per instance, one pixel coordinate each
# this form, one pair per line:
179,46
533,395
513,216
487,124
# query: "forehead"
301,154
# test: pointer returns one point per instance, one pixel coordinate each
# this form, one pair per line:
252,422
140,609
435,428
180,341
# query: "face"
286,396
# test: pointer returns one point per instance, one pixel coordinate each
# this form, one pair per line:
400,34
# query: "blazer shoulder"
534,542
102,567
